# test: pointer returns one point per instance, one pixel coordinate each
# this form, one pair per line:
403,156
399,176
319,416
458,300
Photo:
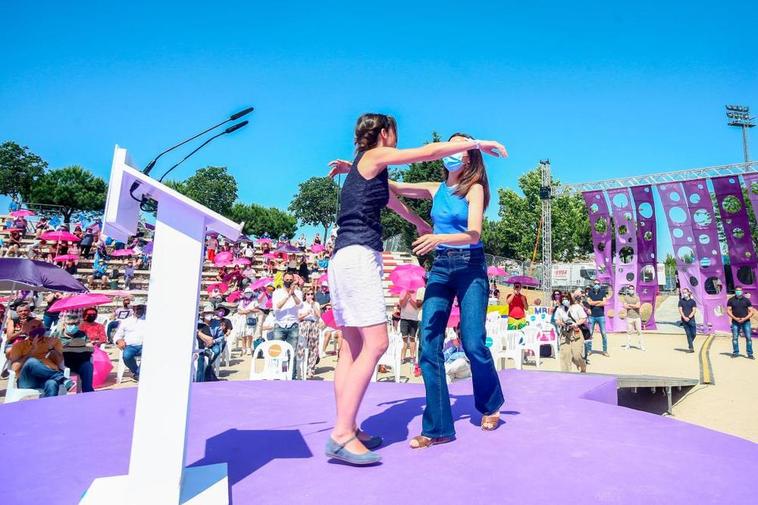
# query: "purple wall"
737,229
625,273
682,239
597,208
708,254
647,248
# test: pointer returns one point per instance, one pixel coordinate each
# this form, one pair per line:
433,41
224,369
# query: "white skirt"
355,285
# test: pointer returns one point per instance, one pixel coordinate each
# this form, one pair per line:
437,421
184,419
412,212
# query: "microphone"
231,129
233,117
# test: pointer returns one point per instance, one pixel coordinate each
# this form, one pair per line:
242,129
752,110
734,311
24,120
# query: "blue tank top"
361,203
450,215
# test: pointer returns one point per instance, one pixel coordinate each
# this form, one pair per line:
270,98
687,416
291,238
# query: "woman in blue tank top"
355,271
459,271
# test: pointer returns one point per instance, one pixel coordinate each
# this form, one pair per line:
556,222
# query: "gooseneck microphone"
143,202
231,129
233,117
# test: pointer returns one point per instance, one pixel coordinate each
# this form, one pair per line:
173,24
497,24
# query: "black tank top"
361,204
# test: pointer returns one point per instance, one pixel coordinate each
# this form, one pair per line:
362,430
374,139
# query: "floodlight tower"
546,195
739,115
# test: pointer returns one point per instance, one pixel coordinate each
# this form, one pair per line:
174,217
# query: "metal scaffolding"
547,192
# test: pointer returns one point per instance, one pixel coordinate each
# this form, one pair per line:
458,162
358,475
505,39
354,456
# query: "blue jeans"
600,320
747,331
461,273
690,329
35,375
130,357
290,334
205,361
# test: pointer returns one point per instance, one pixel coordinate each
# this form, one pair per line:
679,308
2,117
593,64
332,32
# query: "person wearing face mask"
355,271
211,338
459,271
517,305
287,301
77,350
631,302
688,311
94,330
597,298
249,310
740,310
130,335
570,317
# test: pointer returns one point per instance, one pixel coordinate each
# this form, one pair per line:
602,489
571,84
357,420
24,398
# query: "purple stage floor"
564,441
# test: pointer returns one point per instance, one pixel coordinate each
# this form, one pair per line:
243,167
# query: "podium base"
201,485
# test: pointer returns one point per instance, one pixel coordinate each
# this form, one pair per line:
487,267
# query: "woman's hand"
426,244
339,167
493,148
423,228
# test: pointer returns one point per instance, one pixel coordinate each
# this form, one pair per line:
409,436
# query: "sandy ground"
730,406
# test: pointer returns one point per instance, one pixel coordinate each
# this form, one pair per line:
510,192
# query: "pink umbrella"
120,293
59,236
317,248
494,271
223,258
66,257
221,286
455,316
242,262
409,277
323,278
261,283
102,367
400,291
122,252
234,296
82,301
524,280
328,319
269,256
22,213
263,241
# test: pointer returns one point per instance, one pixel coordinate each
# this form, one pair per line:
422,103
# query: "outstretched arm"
403,211
415,190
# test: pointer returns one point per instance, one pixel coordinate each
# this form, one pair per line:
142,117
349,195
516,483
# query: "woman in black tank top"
353,288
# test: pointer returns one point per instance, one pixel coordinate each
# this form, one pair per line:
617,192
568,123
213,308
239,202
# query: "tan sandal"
423,442
490,423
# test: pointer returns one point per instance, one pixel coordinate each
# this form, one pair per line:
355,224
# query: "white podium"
156,466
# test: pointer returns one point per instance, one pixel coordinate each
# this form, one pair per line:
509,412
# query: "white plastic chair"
532,343
507,345
391,356
14,393
278,361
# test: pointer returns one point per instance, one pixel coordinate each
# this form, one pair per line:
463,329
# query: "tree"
19,170
72,188
259,220
520,217
316,202
213,187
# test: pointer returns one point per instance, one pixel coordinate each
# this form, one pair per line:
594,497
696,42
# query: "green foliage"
316,202
213,187
259,220
514,236
73,188
19,170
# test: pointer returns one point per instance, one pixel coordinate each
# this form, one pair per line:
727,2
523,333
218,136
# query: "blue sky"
604,89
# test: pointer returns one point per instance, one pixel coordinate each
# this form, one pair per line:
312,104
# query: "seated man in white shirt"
286,302
130,334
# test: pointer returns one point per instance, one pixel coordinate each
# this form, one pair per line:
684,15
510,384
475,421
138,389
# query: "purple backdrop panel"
647,250
600,226
680,226
737,229
625,264
751,183
708,252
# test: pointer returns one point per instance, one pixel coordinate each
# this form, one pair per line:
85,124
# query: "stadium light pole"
739,115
